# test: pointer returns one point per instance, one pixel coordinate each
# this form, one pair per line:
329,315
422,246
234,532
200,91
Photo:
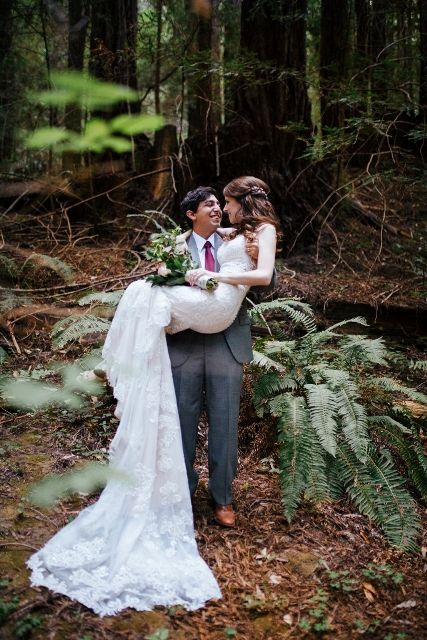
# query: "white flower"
180,248
163,270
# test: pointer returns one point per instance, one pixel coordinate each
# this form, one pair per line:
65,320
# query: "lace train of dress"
135,546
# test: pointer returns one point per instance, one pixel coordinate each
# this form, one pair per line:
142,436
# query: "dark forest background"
312,96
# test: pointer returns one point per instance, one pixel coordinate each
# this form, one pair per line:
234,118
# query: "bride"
135,547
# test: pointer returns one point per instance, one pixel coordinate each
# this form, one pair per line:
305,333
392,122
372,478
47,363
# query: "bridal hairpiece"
257,191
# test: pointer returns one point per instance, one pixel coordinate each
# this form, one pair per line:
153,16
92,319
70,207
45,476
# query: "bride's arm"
261,276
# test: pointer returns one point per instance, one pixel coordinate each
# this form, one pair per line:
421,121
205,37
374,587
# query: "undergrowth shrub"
341,429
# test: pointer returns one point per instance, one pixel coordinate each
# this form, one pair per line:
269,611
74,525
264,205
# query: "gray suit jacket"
237,335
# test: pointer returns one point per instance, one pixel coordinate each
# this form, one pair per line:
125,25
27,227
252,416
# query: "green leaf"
46,137
321,402
131,125
119,145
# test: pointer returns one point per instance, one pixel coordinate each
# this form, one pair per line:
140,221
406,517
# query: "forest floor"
328,574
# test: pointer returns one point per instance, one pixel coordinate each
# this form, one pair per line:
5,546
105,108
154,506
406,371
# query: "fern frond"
388,384
284,348
72,328
357,481
335,482
354,422
357,320
111,298
299,313
266,363
397,514
393,433
376,488
294,453
420,365
8,267
317,488
322,408
10,300
389,422
265,386
362,349
54,264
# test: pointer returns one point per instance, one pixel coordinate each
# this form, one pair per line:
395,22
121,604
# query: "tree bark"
261,140
77,26
422,6
113,41
334,58
378,53
7,121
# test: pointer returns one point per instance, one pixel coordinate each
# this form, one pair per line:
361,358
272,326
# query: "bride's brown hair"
256,209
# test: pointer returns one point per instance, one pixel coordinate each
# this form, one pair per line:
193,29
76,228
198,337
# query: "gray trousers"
204,370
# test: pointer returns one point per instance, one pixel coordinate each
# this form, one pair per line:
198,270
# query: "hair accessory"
257,191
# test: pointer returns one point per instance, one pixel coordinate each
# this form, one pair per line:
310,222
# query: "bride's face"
233,209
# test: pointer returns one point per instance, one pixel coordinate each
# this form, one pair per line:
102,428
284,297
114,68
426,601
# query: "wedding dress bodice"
211,311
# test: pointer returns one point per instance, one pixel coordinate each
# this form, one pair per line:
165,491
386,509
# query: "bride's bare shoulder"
224,231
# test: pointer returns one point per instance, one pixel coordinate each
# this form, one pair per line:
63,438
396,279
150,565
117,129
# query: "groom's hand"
252,247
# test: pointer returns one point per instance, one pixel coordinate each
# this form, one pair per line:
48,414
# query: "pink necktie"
209,259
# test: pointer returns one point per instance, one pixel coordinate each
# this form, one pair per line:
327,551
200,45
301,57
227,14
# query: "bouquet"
169,248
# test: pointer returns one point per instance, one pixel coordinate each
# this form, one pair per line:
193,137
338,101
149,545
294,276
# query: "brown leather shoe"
224,515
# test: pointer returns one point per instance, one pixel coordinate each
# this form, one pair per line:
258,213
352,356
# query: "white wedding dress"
135,546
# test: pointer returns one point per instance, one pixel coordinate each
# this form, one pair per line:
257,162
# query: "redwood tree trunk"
77,21
334,55
113,40
260,139
7,123
422,4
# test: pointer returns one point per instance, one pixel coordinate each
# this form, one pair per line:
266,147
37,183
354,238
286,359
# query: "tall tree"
272,107
113,40
334,59
77,26
7,124
422,7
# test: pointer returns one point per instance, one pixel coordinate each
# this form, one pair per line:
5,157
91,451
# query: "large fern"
61,268
110,298
72,328
330,441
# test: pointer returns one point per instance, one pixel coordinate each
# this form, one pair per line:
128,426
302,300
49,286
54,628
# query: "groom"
209,367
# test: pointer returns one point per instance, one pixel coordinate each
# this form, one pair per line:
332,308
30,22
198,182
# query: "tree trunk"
260,140
77,25
378,54
334,57
164,155
200,110
7,123
361,8
113,41
422,5
159,12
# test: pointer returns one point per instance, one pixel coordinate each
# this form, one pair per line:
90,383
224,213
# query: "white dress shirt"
200,243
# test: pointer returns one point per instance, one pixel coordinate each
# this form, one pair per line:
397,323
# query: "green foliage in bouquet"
164,247
340,430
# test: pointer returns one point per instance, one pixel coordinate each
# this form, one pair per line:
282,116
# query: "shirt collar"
200,242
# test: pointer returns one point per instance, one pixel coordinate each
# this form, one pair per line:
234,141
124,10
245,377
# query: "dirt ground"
329,568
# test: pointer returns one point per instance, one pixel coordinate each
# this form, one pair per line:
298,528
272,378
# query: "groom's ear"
191,214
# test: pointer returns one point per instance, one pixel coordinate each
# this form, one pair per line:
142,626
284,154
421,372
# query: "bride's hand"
194,274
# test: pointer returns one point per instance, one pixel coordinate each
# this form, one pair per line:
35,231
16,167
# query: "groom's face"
207,217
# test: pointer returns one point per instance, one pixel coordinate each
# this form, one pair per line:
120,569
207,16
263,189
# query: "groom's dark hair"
193,198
